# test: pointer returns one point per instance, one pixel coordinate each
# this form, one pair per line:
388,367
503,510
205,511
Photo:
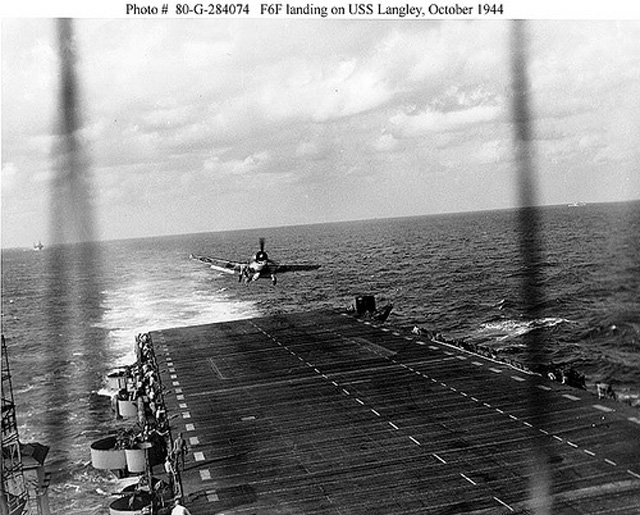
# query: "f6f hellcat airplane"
258,266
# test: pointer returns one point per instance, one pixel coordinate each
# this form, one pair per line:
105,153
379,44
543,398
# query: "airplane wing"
280,269
222,265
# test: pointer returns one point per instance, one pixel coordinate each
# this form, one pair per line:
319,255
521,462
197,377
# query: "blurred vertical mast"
530,254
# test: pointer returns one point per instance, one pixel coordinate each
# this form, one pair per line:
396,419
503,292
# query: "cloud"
431,120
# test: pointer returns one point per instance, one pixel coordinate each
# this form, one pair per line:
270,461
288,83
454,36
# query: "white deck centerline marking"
571,397
468,479
633,473
438,458
375,413
635,420
543,387
495,370
504,504
589,452
611,462
414,440
602,408
393,425
518,378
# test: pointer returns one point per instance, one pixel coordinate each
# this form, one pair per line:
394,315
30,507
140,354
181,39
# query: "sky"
198,125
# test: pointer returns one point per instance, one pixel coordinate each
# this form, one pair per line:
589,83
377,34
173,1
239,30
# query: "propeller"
262,255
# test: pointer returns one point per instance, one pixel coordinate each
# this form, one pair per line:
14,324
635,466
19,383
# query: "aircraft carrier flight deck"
321,412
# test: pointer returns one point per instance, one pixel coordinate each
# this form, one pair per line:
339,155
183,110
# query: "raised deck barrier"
324,413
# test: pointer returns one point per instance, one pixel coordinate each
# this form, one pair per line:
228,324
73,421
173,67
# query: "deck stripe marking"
393,425
589,452
414,440
198,456
527,424
205,474
359,402
438,457
193,440
611,462
375,413
468,479
557,438
513,417
474,399
173,376
178,390
182,405
572,444
543,387
571,397
633,474
180,397
544,432
190,427
476,363
500,411
186,414
346,392
518,378
497,371
635,420
175,383
504,504
602,408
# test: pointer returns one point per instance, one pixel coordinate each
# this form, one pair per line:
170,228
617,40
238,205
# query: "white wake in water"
143,305
501,330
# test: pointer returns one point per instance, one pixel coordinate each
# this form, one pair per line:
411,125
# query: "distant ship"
577,204
38,246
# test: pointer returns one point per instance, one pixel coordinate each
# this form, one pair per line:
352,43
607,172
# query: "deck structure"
320,412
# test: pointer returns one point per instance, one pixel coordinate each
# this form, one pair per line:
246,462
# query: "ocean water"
71,314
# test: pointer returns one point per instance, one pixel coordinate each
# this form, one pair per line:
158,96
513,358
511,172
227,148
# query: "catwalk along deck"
320,412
